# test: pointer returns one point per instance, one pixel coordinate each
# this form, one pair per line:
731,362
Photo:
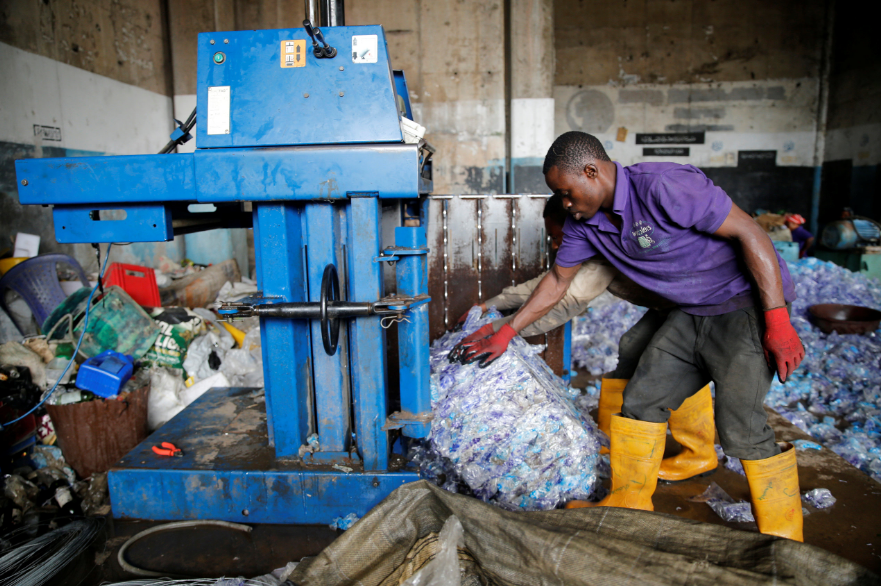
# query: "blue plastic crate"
788,250
105,373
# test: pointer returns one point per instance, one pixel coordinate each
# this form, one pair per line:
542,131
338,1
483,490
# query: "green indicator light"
219,57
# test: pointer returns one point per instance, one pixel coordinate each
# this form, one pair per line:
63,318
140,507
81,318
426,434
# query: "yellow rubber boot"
637,450
776,500
693,427
611,400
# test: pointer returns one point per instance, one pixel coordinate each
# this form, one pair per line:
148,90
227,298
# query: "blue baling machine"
299,136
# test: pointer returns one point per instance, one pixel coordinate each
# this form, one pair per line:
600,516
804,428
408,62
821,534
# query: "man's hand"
783,348
488,350
457,351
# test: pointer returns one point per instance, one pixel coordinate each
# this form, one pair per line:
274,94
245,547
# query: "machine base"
229,472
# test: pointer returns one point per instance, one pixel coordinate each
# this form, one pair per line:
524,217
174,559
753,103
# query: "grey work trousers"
686,353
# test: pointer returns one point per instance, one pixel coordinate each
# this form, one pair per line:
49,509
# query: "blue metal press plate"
229,472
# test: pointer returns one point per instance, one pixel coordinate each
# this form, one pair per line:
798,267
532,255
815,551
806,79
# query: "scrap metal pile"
508,433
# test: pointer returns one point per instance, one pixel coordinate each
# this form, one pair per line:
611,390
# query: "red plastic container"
139,282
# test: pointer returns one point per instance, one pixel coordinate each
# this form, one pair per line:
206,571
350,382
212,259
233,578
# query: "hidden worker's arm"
549,292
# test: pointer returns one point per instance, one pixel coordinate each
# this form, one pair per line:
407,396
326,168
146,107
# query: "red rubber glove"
479,334
783,348
488,350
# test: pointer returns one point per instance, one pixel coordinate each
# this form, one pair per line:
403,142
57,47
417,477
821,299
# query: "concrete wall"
79,78
493,81
744,75
453,55
852,168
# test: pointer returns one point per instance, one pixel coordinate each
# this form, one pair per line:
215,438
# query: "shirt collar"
622,190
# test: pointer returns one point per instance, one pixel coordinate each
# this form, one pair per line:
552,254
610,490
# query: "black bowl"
844,319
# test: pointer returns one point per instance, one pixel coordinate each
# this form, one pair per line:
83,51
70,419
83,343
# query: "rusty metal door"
481,244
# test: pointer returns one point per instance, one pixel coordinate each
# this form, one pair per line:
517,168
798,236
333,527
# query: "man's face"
580,191
555,231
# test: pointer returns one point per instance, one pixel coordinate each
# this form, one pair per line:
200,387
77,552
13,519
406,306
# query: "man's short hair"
572,151
554,209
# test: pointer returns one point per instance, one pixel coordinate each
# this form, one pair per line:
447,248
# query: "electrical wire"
185,127
195,582
76,350
168,527
34,563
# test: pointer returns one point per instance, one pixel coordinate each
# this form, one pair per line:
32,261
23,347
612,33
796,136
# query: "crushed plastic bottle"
729,462
595,335
803,444
835,394
343,523
508,433
819,498
724,505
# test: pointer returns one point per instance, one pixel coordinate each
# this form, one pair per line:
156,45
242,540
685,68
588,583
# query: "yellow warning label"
293,53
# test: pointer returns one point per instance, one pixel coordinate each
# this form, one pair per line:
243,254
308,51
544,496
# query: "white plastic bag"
164,399
443,570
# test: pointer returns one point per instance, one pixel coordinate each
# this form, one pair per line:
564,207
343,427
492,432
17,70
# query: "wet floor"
851,528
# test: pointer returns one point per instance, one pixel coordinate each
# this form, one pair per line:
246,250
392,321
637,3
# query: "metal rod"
333,13
313,11
312,310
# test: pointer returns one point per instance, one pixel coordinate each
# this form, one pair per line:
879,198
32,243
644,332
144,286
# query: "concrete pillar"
531,59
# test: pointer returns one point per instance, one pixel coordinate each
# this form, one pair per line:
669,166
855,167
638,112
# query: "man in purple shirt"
670,229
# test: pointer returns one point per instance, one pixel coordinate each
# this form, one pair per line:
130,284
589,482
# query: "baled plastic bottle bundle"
507,431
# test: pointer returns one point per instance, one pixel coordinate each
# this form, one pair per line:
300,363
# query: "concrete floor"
851,528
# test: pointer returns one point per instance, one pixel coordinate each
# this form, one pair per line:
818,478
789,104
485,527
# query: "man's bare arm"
758,254
549,292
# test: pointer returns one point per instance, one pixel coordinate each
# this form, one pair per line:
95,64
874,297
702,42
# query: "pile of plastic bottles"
835,395
508,433
595,335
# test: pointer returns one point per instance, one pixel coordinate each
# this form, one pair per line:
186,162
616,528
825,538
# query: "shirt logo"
641,230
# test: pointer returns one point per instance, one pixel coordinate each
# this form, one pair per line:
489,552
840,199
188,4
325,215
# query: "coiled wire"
34,563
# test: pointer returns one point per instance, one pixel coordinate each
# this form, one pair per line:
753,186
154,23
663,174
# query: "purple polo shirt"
669,213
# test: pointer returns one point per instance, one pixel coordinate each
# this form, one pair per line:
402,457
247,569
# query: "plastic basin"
844,319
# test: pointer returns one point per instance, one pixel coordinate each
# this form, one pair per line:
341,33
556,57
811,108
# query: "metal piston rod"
329,309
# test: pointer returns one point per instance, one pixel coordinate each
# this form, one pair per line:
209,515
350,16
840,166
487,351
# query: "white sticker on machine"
218,109
364,49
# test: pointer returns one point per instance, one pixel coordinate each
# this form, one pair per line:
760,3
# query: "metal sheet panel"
327,101
496,245
278,248
293,497
438,259
126,223
321,225
531,245
366,337
306,173
463,275
97,180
